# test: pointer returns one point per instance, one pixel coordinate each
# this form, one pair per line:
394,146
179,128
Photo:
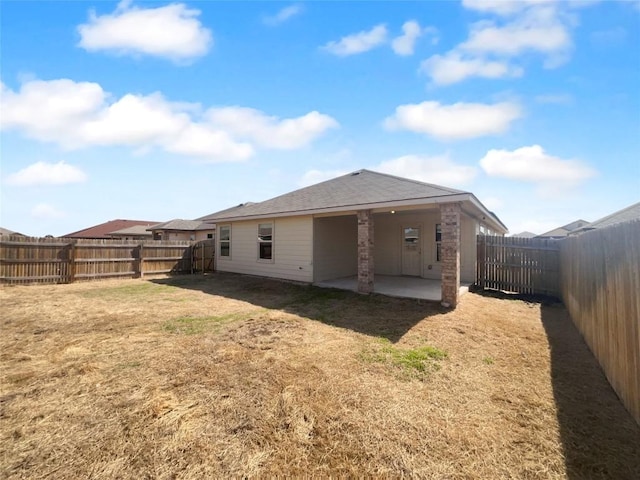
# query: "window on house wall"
225,241
438,242
265,241
209,235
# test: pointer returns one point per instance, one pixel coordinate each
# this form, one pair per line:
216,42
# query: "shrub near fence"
600,282
25,260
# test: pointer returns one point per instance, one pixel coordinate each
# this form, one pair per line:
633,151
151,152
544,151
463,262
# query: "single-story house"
524,234
627,214
6,232
361,224
103,230
136,232
564,230
178,229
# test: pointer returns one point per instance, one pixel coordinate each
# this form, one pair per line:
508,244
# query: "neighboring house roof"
183,225
357,190
136,230
565,229
103,230
525,234
7,232
632,212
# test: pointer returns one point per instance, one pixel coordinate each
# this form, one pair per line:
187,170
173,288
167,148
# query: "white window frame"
261,241
221,241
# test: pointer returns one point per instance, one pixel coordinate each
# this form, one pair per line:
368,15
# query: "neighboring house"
137,232
364,223
632,212
5,232
178,229
565,230
524,234
103,230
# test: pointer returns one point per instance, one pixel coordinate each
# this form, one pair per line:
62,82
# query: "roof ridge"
618,212
411,180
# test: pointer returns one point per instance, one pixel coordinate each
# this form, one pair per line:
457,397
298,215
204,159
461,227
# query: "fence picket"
25,260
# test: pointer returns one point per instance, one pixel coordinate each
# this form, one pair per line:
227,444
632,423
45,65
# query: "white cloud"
172,31
316,176
439,170
454,122
404,44
200,141
453,68
493,47
283,15
538,30
358,42
45,211
270,132
81,114
502,7
42,173
533,164
46,110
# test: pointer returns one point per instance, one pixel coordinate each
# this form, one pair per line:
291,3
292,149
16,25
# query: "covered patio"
396,286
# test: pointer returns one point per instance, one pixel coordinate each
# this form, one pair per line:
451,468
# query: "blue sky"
154,110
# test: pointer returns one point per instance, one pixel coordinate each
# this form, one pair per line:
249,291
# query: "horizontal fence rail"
601,290
522,265
29,260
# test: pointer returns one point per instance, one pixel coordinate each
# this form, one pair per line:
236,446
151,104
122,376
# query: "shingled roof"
103,230
359,189
565,229
182,225
632,212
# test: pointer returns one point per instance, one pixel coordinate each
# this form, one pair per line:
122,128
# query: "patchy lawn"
226,375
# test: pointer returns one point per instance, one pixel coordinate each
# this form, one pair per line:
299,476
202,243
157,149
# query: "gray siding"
335,247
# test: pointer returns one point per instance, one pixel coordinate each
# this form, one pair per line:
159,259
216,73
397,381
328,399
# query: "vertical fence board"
522,265
600,281
30,260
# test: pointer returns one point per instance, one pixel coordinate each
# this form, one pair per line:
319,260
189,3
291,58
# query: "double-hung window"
438,242
225,241
265,241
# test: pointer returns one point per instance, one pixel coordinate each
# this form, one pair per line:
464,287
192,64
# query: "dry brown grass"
228,375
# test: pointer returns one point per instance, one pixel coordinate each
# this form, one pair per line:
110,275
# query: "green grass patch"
488,360
410,362
195,325
125,365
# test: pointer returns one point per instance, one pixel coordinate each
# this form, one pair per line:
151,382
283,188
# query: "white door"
411,251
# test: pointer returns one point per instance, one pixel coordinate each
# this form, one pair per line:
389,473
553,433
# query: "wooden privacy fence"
600,282
522,265
25,260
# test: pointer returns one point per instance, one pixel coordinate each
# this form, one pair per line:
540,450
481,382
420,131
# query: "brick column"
450,253
365,251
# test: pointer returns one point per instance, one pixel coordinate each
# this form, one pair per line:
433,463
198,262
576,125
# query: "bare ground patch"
224,375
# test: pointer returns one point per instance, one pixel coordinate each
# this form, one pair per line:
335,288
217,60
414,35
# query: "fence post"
141,260
71,268
480,261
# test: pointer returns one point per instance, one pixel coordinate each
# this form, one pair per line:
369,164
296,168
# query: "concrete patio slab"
407,287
